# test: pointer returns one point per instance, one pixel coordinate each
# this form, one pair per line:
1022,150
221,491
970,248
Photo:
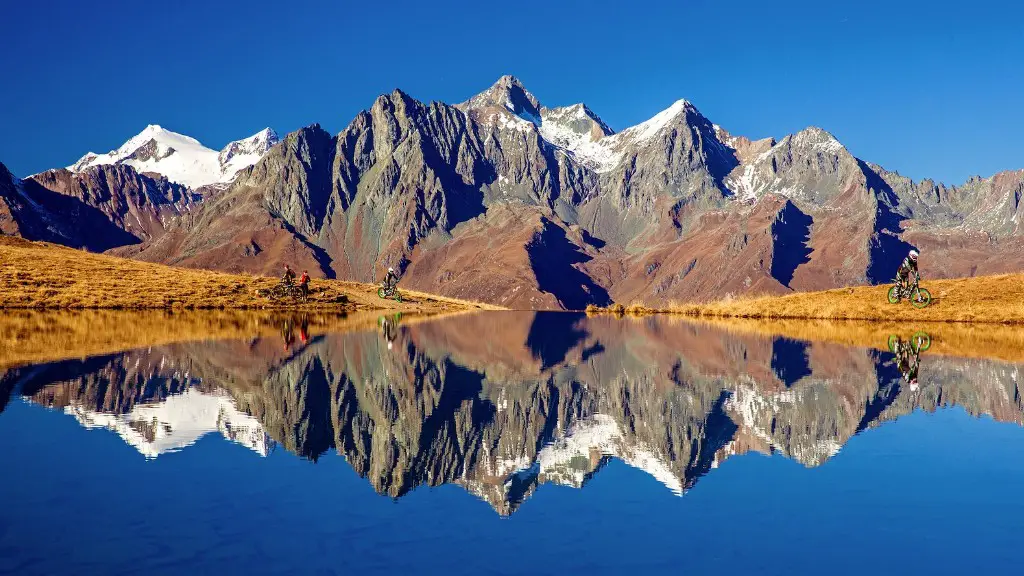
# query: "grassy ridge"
46,276
997,299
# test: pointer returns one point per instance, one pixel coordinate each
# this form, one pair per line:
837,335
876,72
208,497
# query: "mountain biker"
391,278
304,283
289,276
908,266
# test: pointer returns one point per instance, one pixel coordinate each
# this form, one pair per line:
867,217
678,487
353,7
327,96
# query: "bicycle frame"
907,289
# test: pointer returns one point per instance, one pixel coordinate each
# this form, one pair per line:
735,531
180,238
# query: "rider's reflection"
389,327
288,333
288,326
908,356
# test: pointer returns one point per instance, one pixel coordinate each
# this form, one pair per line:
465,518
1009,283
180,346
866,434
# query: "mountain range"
505,200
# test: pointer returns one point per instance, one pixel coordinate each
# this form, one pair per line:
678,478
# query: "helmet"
913,255
391,269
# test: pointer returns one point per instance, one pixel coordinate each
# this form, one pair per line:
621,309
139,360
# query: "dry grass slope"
998,299
46,276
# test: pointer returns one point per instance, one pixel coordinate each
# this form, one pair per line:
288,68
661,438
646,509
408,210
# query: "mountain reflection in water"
500,403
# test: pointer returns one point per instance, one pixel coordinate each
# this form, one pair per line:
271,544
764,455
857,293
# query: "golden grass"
46,276
998,299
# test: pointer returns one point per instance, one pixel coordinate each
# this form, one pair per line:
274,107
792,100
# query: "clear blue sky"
930,89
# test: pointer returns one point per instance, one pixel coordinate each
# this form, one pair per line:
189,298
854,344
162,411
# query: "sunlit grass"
40,275
980,299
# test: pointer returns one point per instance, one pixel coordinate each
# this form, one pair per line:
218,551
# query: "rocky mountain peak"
394,101
508,93
816,139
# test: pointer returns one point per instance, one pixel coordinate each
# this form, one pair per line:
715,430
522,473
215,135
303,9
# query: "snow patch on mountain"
515,122
606,153
183,159
746,185
580,135
573,130
179,422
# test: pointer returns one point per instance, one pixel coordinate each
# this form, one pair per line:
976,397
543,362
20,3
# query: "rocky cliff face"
503,199
547,399
98,209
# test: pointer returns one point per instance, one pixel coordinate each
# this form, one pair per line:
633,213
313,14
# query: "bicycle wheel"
921,340
382,293
894,295
398,297
893,341
920,298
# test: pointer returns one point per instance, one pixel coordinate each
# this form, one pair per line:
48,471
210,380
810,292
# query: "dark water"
512,443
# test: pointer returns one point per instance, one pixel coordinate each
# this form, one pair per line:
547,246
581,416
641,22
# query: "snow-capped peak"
244,153
181,158
650,128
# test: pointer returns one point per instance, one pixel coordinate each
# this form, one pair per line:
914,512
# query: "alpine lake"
506,443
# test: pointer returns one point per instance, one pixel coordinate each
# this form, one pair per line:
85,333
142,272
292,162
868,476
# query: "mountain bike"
389,293
284,291
919,297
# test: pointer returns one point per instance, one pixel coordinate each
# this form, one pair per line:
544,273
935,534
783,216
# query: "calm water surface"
505,443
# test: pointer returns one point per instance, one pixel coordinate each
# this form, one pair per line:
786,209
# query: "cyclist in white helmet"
909,266
391,278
